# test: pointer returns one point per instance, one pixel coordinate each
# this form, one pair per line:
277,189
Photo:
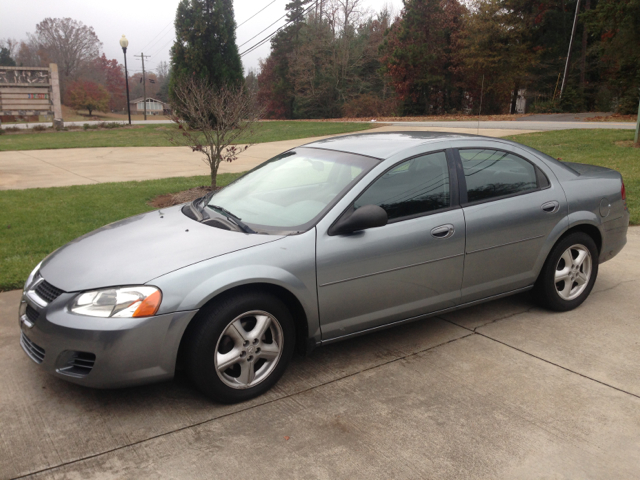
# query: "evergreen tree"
419,56
205,44
5,58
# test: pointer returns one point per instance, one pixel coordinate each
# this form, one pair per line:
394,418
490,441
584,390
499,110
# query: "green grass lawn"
156,135
36,221
606,148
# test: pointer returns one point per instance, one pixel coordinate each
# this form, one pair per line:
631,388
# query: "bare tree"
67,42
11,44
211,120
27,55
162,70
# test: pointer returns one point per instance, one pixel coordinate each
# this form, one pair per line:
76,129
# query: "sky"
148,24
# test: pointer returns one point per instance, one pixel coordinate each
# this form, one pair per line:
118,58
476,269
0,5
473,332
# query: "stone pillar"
55,93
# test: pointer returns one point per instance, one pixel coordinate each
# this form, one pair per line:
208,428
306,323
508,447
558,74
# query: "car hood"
138,249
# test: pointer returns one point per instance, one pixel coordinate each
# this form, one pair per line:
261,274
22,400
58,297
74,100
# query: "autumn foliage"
87,95
448,56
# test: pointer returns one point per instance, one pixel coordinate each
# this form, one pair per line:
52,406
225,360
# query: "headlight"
32,275
125,302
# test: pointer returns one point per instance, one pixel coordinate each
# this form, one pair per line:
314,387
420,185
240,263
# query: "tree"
68,43
8,50
617,23
205,45
419,55
87,95
110,74
136,85
5,58
164,78
276,91
10,44
496,45
28,55
251,80
217,117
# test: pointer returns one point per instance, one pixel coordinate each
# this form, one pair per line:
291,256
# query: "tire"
563,287
225,335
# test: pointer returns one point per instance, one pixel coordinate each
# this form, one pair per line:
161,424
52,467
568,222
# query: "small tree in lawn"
211,119
86,95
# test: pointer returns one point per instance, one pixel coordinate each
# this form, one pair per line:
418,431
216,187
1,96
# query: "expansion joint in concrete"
474,332
210,420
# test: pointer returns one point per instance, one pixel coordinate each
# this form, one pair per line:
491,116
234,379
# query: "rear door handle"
443,231
550,207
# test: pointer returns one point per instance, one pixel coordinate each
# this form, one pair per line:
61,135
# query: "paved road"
82,166
540,123
523,125
501,391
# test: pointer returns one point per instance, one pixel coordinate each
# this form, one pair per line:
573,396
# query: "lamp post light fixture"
124,43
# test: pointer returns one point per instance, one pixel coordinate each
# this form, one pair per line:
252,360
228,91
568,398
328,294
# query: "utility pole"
566,65
144,82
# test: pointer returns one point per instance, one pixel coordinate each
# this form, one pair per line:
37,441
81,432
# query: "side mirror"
367,216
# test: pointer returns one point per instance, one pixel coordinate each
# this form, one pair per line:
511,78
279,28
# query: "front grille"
48,292
34,351
79,364
32,314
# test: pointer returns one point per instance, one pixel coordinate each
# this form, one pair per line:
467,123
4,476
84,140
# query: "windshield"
291,191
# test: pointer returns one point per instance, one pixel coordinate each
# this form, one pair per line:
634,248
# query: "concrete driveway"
82,166
502,390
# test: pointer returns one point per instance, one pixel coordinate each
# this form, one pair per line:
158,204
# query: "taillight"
623,192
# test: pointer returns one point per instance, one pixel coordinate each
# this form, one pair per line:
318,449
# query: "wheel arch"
589,229
293,304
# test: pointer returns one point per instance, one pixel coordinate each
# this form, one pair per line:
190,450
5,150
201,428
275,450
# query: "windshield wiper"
231,217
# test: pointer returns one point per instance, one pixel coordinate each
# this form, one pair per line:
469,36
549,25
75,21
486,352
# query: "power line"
262,31
274,1
264,40
163,46
151,42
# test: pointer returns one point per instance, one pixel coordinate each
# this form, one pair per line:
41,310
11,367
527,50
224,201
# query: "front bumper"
100,352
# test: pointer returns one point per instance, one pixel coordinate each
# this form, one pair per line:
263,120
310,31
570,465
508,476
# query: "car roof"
385,144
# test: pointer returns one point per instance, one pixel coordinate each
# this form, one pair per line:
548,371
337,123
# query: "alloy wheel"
573,272
248,349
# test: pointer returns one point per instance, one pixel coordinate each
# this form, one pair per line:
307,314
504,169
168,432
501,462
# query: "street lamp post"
124,43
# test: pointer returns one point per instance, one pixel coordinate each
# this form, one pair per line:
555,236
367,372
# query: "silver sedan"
330,240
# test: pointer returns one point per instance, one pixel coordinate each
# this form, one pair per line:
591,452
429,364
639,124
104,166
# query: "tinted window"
416,186
492,173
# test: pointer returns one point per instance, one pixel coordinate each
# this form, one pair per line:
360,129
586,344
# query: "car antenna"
480,109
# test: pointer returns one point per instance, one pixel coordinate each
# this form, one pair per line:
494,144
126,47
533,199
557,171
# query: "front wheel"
240,346
568,275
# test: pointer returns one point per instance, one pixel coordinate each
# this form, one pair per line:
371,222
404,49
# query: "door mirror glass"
367,216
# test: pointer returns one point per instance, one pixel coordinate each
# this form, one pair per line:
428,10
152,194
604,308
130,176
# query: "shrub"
370,106
38,128
548,106
86,126
110,125
2,132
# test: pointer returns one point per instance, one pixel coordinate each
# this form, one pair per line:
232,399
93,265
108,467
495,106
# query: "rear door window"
494,173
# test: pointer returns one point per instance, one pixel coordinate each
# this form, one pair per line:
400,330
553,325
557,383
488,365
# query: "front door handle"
443,231
550,207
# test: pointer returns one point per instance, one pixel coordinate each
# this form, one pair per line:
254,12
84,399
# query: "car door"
510,208
411,266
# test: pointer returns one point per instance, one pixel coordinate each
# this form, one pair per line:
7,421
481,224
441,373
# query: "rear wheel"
568,275
240,347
